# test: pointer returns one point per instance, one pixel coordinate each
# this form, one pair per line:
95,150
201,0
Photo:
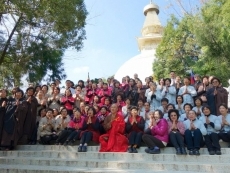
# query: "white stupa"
152,32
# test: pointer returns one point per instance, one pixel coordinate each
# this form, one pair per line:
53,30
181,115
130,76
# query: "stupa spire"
152,29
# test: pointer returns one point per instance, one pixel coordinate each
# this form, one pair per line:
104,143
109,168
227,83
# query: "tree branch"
9,39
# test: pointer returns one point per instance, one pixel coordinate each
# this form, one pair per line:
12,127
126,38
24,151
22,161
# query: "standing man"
68,84
173,78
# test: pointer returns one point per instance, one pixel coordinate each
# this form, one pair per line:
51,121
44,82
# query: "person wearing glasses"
216,96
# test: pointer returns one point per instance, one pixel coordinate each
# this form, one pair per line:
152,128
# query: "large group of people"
120,116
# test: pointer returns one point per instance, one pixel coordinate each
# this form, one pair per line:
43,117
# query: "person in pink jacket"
176,131
159,134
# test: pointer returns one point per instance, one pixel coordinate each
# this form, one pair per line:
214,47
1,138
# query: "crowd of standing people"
119,116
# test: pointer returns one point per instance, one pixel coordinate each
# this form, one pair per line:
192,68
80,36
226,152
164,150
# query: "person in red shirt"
134,129
104,92
68,101
91,130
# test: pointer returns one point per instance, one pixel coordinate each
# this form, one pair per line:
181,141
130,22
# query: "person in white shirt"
154,98
168,107
224,118
141,108
164,103
194,132
180,104
169,92
68,84
125,109
187,91
212,124
148,89
198,107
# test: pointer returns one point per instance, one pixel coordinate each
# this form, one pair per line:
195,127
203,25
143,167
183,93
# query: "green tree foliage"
34,35
178,49
199,42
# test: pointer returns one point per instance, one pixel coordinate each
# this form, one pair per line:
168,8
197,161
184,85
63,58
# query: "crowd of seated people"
119,116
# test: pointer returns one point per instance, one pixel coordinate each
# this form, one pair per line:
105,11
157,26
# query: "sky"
111,31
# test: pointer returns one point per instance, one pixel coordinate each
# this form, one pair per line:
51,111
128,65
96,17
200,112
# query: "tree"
36,33
178,50
197,41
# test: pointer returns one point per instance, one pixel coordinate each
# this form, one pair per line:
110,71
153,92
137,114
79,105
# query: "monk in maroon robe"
30,120
114,139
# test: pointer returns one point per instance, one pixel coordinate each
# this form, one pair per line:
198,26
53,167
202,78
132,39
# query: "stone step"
142,157
121,165
167,150
64,169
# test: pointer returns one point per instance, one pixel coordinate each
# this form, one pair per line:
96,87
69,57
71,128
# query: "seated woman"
91,130
159,134
212,124
194,131
46,127
134,129
114,139
72,133
61,123
225,123
176,131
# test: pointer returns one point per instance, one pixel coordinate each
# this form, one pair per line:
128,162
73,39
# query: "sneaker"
211,152
130,150
33,143
155,151
218,152
196,152
178,151
71,143
66,143
135,150
79,149
84,148
191,152
183,151
147,150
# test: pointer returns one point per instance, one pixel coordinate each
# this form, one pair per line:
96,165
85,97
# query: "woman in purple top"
159,134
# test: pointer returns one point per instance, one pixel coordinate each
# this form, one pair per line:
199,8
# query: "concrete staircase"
61,159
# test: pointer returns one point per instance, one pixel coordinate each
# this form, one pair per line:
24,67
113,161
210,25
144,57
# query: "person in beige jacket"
46,128
61,122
